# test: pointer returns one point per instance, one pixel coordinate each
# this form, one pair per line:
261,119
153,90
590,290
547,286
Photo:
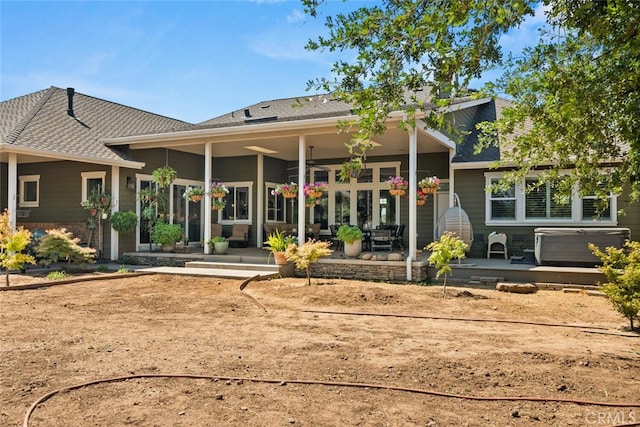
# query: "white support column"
260,201
12,189
207,197
452,187
115,207
302,163
413,187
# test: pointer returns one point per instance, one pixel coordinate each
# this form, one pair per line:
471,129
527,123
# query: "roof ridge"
20,127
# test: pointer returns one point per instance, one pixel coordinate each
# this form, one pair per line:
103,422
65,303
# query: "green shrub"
621,267
57,275
60,245
443,251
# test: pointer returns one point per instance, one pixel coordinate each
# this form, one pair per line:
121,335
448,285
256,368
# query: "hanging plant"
311,202
315,189
287,190
430,184
124,221
164,176
351,168
421,197
397,185
195,194
218,189
217,205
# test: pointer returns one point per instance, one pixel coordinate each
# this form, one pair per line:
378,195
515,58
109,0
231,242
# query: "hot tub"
569,246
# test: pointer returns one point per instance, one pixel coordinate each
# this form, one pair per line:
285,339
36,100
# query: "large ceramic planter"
353,250
280,258
169,247
221,247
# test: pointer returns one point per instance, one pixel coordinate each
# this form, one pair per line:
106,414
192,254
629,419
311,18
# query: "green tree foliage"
60,245
12,243
306,254
622,270
576,91
443,251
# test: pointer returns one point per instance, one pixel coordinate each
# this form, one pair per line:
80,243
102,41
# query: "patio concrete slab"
211,272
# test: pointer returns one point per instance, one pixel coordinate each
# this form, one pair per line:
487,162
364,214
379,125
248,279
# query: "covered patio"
481,272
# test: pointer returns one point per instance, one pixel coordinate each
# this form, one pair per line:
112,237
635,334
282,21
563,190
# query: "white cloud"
295,16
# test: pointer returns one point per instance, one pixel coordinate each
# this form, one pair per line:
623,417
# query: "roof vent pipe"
70,92
247,113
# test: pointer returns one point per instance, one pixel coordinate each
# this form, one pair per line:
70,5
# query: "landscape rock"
517,288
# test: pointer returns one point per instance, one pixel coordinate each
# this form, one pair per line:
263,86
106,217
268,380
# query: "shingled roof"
299,108
40,122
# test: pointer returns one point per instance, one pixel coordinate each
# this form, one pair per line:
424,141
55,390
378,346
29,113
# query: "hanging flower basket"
315,189
216,205
429,185
218,195
194,194
421,197
311,202
397,185
218,189
287,190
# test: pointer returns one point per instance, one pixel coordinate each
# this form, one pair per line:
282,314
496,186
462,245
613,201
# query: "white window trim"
576,208
249,185
91,175
268,186
29,203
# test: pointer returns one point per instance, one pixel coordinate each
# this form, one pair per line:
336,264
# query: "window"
502,203
238,207
29,191
538,206
540,201
92,181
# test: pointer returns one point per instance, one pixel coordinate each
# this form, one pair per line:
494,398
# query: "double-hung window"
29,191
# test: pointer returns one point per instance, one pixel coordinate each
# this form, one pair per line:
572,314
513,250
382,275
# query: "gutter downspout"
302,163
413,229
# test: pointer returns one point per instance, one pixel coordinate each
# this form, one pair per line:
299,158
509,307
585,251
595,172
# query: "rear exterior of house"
58,145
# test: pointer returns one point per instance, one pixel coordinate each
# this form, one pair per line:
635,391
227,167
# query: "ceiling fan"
310,163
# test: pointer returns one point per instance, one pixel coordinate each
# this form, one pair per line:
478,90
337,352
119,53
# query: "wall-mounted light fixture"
131,183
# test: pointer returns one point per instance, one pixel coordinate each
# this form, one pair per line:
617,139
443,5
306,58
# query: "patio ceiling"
327,143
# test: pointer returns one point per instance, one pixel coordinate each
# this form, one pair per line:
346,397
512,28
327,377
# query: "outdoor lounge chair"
239,236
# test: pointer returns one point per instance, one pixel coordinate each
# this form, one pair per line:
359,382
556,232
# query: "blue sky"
190,60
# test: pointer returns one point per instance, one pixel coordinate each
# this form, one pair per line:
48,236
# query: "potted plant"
351,235
124,221
220,244
278,243
166,235
397,185
287,190
195,194
351,168
218,189
429,185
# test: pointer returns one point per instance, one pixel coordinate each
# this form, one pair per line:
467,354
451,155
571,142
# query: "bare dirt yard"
198,351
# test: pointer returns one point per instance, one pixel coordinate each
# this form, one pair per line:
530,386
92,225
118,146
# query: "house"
58,144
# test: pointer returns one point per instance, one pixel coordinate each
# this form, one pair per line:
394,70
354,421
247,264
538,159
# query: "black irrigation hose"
462,319
327,383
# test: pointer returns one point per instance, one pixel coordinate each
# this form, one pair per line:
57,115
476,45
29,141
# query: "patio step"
233,266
